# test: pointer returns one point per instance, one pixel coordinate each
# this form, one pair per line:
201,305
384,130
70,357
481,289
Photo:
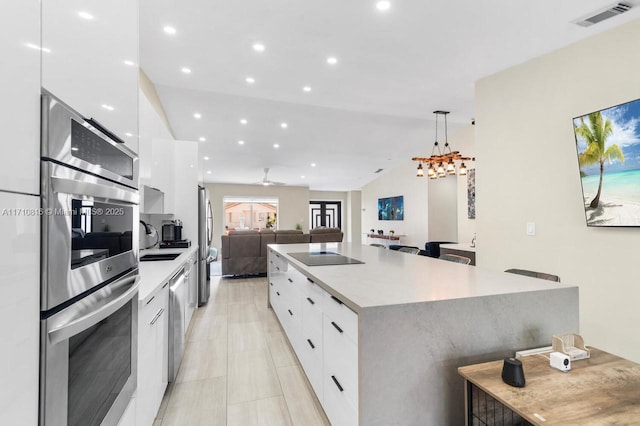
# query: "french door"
325,213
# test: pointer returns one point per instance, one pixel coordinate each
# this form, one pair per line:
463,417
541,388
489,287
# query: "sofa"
245,252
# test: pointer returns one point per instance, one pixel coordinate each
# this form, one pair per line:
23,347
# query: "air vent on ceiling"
604,14
378,171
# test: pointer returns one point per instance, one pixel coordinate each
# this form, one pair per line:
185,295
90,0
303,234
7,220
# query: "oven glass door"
90,357
99,367
90,233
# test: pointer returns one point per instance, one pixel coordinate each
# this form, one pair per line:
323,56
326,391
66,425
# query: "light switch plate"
531,228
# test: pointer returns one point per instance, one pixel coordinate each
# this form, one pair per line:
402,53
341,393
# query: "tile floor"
238,367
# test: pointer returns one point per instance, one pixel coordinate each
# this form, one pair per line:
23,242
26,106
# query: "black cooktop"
323,258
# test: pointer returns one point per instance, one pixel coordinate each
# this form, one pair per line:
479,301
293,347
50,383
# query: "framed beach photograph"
608,148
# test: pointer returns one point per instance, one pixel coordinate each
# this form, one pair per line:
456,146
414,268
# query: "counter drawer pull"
271,284
311,344
152,297
311,301
271,261
338,301
277,255
278,268
158,315
290,313
165,284
278,293
310,280
337,383
290,280
336,326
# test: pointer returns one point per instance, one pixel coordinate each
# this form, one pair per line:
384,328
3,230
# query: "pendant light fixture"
441,162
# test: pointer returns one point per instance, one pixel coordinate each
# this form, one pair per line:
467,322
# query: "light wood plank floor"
238,367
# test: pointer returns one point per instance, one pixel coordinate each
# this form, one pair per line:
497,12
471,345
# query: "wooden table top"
601,390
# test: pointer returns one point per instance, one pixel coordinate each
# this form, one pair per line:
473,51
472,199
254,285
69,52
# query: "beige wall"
400,180
435,210
293,204
528,172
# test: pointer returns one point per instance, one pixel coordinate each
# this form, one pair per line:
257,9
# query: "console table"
604,389
387,238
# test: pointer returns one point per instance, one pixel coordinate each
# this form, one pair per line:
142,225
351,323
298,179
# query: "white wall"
354,216
400,180
528,171
464,141
293,204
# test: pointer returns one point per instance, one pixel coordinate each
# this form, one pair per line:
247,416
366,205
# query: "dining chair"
410,250
455,258
534,274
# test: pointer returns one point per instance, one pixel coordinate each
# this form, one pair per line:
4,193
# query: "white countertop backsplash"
157,272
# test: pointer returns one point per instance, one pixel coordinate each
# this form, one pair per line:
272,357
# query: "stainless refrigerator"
205,234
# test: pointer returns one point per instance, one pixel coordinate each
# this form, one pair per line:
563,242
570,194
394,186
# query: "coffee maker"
172,235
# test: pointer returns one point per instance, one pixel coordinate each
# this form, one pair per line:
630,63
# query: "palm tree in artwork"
595,134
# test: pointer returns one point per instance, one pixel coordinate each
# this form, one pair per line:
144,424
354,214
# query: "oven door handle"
70,186
119,297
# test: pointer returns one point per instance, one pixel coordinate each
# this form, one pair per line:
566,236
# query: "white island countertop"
389,277
157,272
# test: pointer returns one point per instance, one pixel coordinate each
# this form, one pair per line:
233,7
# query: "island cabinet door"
340,363
312,343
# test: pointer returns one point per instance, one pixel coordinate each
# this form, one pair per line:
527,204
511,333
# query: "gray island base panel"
419,319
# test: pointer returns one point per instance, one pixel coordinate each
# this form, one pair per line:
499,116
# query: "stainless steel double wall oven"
89,270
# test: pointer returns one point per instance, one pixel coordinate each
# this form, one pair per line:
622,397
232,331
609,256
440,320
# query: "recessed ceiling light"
332,60
383,5
169,30
108,107
258,47
205,158
208,172
129,63
306,88
75,148
240,142
276,145
284,125
243,121
202,139
197,115
302,177
250,80
85,15
129,134
313,164
186,70
191,165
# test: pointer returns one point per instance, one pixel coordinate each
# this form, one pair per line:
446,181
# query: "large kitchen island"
380,341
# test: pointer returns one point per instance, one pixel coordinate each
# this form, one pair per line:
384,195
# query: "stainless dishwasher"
178,295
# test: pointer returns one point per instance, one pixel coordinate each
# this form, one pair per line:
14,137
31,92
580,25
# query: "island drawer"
340,356
312,311
345,318
338,409
310,355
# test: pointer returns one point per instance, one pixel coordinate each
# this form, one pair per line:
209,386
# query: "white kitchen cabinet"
19,307
185,189
191,269
90,60
324,335
152,354
20,100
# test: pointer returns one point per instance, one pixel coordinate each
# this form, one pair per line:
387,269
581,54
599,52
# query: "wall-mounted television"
391,208
608,147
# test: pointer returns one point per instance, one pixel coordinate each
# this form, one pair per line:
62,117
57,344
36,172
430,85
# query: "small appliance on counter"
172,235
171,230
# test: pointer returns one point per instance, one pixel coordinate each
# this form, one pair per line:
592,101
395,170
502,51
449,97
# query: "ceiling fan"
265,180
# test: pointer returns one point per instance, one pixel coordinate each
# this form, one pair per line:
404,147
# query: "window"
250,213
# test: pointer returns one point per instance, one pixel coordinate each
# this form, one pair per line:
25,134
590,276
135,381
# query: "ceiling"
371,110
